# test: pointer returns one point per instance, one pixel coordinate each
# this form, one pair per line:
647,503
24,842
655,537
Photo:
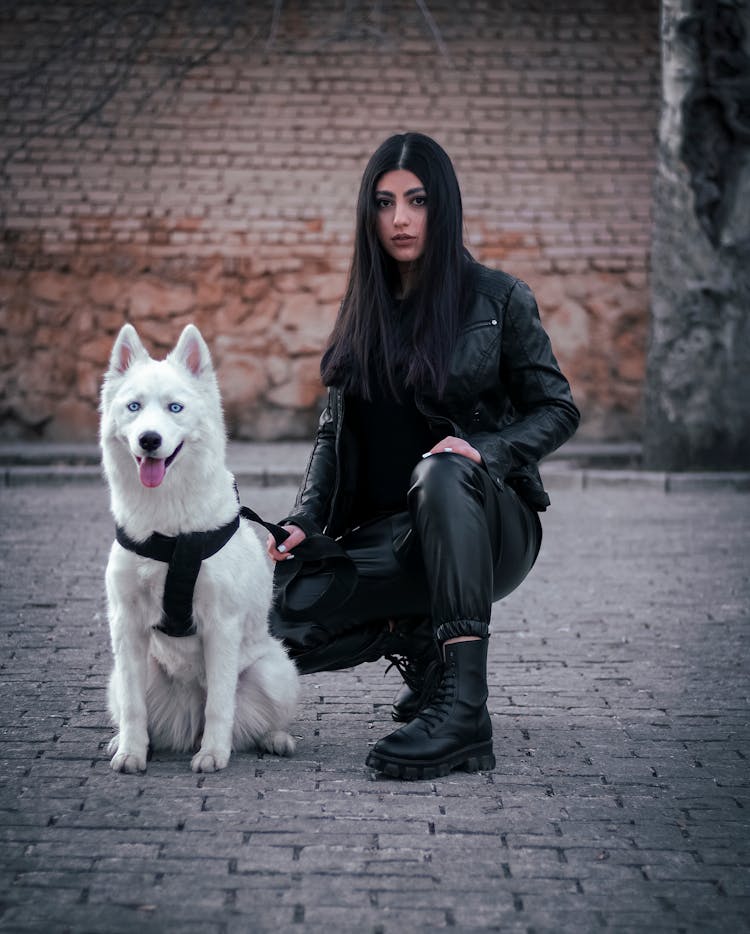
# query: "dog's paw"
128,762
208,761
278,742
113,745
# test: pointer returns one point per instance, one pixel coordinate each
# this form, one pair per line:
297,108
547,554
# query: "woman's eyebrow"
389,194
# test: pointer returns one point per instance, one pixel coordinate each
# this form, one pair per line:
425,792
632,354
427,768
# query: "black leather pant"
463,544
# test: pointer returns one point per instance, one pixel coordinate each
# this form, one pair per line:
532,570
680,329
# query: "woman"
444,394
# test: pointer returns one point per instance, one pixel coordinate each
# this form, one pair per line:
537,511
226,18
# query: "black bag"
316,554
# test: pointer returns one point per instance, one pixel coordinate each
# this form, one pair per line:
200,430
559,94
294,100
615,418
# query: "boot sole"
479,758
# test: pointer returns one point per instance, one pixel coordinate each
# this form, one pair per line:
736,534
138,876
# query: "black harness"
184,555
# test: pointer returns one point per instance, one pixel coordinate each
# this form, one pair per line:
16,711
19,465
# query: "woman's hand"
456,446
282,552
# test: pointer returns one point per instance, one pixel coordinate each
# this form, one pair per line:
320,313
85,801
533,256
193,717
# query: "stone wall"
167,163
698,398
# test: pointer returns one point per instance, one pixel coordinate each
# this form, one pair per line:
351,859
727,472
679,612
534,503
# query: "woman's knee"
440,477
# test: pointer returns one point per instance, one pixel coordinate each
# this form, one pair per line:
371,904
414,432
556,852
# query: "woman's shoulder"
493,283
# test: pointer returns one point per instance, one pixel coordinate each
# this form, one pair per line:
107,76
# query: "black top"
391,437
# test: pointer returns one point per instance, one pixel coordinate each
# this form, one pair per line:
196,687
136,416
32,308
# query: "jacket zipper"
487,323
339,397
433,419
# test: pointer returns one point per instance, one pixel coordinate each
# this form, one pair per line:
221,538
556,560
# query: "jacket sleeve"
311,507
545,414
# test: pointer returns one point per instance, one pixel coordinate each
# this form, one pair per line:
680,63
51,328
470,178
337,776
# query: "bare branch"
278,6
436,34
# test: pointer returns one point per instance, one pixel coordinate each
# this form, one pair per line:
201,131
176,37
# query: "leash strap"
277,531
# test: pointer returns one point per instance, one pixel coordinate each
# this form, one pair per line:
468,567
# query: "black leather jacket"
505,395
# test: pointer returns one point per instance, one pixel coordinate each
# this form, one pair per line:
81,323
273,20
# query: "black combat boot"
454,731
419,663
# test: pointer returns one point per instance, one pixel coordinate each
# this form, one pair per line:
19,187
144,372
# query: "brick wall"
172,162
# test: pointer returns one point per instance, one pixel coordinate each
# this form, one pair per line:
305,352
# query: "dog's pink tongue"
152,471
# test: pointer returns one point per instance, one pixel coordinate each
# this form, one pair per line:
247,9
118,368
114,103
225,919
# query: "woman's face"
401,216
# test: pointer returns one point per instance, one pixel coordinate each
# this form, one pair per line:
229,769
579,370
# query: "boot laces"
412,670
439,707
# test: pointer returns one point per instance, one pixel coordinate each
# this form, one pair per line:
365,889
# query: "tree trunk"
698,375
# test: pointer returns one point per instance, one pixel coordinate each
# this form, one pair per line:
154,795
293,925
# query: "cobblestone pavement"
618,693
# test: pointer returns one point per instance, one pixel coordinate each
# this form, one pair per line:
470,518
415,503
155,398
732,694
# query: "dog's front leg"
221,647
129,685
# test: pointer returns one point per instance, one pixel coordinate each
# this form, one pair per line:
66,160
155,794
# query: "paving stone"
618,694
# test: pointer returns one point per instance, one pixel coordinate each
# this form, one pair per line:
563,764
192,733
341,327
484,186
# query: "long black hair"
365,347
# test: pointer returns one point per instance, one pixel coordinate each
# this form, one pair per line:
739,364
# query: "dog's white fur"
231,685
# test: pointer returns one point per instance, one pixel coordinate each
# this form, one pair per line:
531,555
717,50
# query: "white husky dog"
231,684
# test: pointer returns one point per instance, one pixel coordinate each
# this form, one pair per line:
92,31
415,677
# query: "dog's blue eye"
133,406
175,407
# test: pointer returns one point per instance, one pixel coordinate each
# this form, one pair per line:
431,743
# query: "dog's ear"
127,350
192,351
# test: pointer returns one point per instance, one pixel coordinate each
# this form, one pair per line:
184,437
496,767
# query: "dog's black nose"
150,440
